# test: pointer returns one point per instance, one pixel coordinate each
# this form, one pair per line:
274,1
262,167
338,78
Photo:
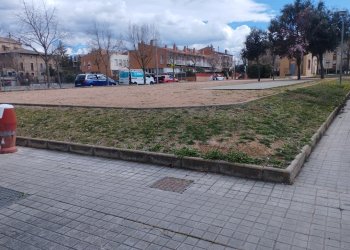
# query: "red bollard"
8,124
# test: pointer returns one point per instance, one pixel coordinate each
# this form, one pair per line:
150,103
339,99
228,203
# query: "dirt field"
150,96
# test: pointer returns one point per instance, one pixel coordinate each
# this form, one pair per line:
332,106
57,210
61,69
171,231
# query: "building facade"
24,65
172,59
289,68
95,62
119,62
157,60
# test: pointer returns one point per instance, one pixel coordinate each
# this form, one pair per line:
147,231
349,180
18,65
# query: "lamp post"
341,14
156,40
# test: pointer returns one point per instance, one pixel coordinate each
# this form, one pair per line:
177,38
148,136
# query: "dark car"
85,80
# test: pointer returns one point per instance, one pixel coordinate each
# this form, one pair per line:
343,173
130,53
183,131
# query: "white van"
134,77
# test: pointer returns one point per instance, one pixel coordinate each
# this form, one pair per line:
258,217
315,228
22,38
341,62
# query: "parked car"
217,77
166,79
83,80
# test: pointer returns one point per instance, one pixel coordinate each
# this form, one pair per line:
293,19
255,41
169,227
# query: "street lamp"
156,40
341,14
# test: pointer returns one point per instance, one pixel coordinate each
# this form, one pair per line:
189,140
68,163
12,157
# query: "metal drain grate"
172,184
9,196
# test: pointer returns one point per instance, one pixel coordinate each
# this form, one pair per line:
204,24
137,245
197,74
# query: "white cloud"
185,22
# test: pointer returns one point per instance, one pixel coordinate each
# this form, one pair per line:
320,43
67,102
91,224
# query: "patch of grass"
288,119
241,157
215,155
247,137
232,156
185,151
265,141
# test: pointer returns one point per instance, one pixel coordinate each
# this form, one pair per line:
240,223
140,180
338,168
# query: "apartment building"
119,62
95,62
158,60
172,59
22,64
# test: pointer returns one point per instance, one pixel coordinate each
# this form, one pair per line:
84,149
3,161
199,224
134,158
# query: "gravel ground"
150,96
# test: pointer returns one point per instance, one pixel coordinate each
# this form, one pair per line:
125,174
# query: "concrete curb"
294,168
256,172
191,163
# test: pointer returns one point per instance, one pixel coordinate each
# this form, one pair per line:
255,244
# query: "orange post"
8,124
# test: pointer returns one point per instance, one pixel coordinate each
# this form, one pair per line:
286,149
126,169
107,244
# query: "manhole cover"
172,184
8,196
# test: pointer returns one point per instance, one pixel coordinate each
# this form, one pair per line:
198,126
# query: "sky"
193,23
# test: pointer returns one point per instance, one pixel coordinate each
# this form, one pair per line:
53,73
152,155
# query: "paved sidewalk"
64,201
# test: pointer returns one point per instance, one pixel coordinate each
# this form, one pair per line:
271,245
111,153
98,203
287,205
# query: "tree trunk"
144,76
257,60
47,74
320,56
299,67
58,76
348,60
107,75
273,67
174,71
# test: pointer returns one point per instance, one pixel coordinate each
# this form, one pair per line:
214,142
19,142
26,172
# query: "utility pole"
156,41
342,14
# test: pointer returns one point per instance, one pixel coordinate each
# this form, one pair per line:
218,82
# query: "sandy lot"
181,94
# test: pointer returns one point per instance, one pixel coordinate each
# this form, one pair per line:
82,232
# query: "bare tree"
58,56
214,61
103,44
172,57
140,37
195,59
40,31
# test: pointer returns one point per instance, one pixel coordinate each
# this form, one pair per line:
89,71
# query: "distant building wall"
289,68
92,63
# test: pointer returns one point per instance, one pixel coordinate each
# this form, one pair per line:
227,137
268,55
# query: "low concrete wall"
287,175
191,163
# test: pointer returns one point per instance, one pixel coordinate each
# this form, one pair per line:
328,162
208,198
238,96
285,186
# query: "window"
92,77
21,66
308,64
32,66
